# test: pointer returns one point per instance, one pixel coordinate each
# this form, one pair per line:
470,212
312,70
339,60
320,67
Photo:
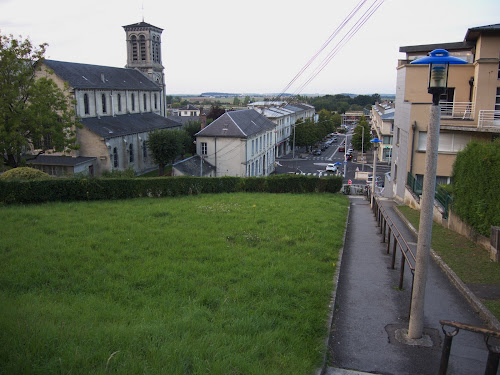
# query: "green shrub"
476,185
23,173
74,189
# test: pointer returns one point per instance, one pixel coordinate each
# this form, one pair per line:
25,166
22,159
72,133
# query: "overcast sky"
255,46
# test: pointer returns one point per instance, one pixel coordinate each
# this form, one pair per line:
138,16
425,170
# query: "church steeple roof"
141,24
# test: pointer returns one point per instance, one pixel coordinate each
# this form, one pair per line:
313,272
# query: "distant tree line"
341,103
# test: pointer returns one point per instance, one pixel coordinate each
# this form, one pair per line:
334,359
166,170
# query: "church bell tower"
144,51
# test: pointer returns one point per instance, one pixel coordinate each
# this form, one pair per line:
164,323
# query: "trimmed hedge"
74,189
476,185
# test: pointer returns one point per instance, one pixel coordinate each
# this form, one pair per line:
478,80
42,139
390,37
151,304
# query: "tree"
476,185
191,128
357,137
215,112
305,133
236,101
34,113
165,146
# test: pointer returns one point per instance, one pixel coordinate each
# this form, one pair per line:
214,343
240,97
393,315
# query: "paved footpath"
370,309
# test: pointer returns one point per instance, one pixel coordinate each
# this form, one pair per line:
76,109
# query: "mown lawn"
209,284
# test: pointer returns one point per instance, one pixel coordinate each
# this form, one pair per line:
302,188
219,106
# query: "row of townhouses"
246,142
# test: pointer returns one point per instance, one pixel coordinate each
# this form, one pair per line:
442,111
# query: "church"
117,107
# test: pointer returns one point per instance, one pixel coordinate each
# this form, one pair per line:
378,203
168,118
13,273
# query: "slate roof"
430,47
86,76
59,160
141,24
110,127
474,32
192,166
238,124
183,120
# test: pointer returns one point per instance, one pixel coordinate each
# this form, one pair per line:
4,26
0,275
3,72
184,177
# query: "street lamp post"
345,153
438,61
375,143
363,149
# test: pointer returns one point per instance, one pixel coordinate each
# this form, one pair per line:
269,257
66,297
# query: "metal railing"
441,195
457,110
488,118
489,337
394,237
413,183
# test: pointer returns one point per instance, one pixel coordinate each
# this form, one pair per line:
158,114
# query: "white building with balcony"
470,107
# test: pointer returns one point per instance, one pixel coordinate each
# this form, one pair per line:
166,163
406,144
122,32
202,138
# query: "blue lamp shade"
439,61
375,140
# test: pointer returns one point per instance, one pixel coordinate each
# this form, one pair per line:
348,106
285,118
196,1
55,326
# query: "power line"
345,39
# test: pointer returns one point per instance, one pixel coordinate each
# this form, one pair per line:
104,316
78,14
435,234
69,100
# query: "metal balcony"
489,119
457,110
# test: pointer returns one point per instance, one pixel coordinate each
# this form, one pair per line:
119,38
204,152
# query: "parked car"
317,152
350,151
331,168
334,139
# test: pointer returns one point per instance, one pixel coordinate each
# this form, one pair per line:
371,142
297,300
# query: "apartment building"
382,125
470,109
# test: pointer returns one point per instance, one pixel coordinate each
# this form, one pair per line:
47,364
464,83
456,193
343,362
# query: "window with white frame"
448,142
204,148
131,153
253,146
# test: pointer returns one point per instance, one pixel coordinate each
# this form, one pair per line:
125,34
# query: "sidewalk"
370,309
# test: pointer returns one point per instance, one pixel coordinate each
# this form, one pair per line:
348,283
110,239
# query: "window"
448,142
144,150
397,136
142,43
497,99
103,100
156,101
119,103
131,153
253,146
115,157
145,103
134,48
204,148
133,102
86,103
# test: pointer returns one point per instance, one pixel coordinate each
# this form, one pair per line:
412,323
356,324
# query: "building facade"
470,109
382,125
239,143
117,107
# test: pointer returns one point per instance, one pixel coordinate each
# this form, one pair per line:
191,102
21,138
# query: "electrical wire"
343,41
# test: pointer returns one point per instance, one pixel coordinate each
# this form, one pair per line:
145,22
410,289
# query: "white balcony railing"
489,118
457,110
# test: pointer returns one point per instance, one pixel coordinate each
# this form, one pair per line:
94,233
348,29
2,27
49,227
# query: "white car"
331,168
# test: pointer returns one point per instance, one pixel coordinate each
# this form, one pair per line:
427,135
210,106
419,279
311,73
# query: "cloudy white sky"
254,46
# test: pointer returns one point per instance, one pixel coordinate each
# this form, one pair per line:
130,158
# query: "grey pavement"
370,310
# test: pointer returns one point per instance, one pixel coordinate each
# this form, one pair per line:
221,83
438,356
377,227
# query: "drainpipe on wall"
215,145
413,127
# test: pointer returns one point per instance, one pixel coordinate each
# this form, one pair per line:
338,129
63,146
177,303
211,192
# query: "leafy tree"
476,185
165,146
215,112
357,137
34,112
191,128
337,120
236,101
305,133
325,121
246,101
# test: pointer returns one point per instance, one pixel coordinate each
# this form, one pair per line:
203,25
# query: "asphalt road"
316,164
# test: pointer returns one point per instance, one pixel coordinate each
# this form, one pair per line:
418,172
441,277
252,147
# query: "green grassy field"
209,284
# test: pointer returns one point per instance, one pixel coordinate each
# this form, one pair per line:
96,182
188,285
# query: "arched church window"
156,101
103,100
86,103
142,43
145,103
131,153
133,102
119,103
134,48
115,157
